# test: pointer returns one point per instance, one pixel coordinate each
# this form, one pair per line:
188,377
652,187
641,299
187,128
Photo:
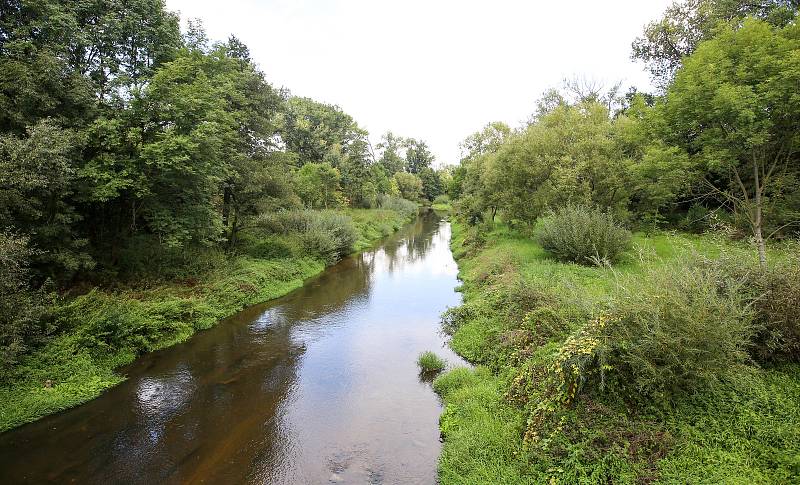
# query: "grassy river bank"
100,329
523,312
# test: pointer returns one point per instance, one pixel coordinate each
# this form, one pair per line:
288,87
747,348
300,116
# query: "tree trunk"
758,220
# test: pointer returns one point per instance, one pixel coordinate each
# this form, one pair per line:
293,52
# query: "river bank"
101,329
503,424
318,386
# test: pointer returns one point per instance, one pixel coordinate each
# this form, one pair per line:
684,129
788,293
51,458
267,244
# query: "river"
320,386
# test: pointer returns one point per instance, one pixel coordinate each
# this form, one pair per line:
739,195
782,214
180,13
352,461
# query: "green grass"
374,224
442,207
105,329
430,362
745,429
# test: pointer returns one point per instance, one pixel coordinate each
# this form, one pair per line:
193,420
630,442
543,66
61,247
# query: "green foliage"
418,156
398,204
317,184
667,41
24,321
429,362
732,107
676,329
103,329
577,364
773,295
583,235
329,236
409,185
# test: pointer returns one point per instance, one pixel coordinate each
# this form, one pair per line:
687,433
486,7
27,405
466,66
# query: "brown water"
320,386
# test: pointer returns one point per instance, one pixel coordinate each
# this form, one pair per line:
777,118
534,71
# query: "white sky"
435,70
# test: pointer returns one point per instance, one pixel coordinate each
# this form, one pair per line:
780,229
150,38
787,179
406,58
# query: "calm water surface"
320,386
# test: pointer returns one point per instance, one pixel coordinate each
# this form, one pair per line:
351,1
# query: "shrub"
285,222
270,249
24,319
405,207
774,296
672,330
144,258
330,235
442,199
583,235
430,362
326,234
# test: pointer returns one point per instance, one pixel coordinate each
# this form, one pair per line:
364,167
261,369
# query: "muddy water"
320,386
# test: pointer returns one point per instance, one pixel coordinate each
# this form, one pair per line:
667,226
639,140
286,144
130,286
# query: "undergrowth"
105,328
639,373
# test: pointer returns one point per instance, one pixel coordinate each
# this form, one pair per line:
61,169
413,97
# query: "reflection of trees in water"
412,243
214,401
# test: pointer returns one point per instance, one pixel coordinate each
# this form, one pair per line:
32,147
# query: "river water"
320,386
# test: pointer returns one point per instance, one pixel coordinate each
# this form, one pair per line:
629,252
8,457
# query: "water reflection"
318,386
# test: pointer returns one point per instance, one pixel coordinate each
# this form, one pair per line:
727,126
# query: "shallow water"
320,386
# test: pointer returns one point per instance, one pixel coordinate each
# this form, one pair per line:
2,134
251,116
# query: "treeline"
716,147
130,151
118,131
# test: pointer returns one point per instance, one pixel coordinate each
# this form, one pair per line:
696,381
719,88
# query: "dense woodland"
128,150
631,269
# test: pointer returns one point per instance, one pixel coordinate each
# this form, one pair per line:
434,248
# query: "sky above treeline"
433,70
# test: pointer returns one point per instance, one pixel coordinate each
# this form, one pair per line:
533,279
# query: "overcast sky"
435,70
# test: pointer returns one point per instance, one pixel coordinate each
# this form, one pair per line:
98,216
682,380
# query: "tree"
37,187
418,156
431,183
311,129
22,309
570,155
734,108
686,23
488,140
317,184
409,185
391,147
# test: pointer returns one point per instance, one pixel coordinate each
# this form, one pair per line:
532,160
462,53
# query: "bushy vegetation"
148,165
430,362
398,204
671,365
634,373
73,358
670,331
773,297
583,235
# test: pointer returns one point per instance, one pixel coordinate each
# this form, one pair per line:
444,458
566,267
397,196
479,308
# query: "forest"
631,269
138,164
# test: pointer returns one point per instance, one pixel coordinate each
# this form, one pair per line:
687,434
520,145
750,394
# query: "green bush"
270,249
330,236
774,296
402,206
24,317
583,235
285,222
441,200
144,258
430,362
673,330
